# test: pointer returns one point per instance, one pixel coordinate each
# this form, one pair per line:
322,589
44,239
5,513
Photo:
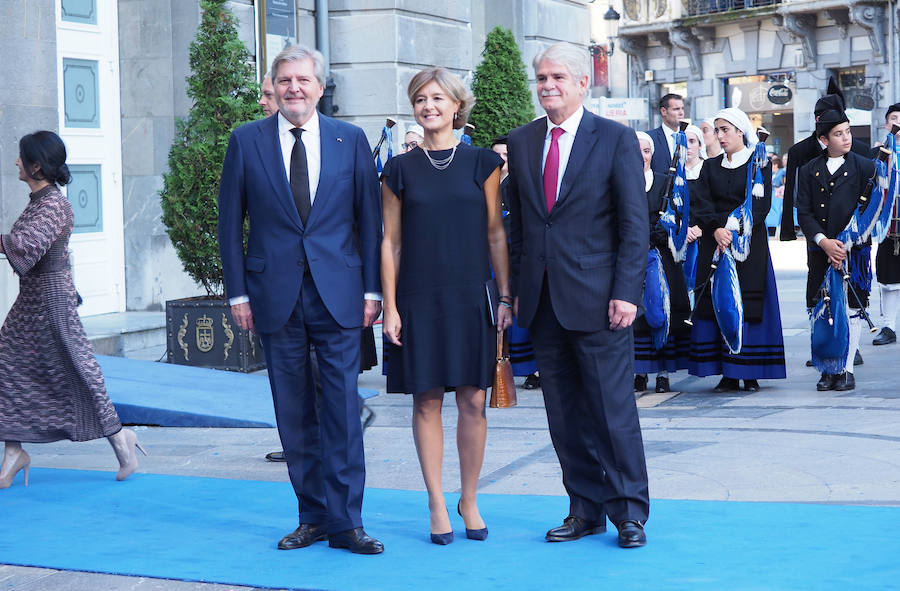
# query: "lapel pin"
340,139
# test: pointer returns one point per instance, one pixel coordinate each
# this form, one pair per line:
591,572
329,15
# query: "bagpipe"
386,136
673,218
888,224
830,326
723,277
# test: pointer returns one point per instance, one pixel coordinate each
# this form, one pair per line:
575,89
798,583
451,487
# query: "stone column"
29,101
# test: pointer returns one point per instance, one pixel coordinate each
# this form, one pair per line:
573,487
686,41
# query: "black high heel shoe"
474,534
443,539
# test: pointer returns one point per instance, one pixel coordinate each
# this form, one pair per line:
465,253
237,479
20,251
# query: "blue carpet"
214,530
169,395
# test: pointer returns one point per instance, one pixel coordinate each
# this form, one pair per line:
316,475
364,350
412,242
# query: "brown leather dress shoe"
574,528
305,535
631,534
357,541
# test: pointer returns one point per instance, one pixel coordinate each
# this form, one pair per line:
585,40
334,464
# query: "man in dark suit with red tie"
310,276
579,239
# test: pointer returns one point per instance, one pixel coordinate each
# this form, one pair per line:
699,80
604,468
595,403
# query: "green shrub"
500,86
224,92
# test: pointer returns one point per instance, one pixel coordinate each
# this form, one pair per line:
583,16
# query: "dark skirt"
673,356
762,351
521,351
887,264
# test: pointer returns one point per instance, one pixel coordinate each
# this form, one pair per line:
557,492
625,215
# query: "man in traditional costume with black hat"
887,259
829,188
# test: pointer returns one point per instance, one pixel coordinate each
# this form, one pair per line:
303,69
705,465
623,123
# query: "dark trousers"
323,445
587,379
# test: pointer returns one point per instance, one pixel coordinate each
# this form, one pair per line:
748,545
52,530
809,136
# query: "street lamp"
612,17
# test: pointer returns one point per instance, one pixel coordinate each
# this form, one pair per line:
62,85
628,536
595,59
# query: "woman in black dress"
720,189
51,387
443,232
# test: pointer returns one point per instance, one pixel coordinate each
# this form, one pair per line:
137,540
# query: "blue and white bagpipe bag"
891,188
726,289
674,220
830,322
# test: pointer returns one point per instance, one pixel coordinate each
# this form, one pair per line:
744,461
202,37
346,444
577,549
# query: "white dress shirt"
310,139
648,180
670,138
565,141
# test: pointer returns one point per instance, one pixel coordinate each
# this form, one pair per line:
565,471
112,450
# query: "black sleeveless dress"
447,336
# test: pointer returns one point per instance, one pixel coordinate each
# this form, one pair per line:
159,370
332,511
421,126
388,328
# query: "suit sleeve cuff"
372,296
238,300
819,237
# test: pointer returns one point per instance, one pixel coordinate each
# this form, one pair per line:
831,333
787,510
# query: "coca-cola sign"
779,94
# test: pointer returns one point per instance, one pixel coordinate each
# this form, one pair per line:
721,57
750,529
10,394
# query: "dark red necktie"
551,168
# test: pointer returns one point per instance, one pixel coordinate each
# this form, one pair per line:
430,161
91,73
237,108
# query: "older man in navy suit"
579,240
309,276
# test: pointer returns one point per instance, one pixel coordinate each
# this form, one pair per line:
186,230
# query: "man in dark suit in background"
310,276
671,109
579,239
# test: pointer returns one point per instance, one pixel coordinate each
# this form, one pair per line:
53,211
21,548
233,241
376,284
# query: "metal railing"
701,7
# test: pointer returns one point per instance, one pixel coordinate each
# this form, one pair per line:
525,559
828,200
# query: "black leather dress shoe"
826,382
631,534
276,456
857,359
885,337
662,384
305,535
751,386
357,541
640,382
809,363
727,385
845,382
532,381
574,528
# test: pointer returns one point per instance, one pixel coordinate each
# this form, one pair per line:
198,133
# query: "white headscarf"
697,132
740,120
645,137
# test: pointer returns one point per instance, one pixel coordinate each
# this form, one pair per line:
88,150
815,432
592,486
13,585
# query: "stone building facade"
109,77
722,53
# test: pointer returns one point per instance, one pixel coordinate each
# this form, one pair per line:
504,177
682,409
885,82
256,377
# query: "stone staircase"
136,335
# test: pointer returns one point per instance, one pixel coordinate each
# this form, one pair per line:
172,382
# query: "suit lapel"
270,153
328,149
535,157
585,139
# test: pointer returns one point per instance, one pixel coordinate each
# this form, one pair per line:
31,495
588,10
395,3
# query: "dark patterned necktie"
300,176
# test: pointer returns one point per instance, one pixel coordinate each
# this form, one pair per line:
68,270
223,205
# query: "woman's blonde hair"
449,83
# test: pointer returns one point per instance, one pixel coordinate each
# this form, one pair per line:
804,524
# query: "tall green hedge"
224,92
500,86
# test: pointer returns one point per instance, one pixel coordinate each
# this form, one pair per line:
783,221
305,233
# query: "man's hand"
835,251
621,314
243,317
371,311
693,233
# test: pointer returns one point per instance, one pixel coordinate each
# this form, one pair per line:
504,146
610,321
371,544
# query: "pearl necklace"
442,163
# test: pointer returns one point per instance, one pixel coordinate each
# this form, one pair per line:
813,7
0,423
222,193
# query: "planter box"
200,332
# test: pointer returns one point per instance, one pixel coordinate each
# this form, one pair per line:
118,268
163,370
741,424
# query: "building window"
699,7
79,11
85,196
80,93
768,100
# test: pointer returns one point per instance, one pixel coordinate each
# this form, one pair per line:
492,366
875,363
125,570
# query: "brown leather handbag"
503,391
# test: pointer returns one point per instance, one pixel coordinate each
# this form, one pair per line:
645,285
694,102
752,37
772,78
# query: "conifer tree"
224,92
500,86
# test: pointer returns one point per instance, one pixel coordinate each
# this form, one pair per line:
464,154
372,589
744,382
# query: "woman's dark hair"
46,150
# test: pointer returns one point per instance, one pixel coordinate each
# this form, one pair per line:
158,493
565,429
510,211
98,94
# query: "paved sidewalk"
787,442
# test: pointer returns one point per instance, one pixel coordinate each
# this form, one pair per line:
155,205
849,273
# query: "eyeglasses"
409,145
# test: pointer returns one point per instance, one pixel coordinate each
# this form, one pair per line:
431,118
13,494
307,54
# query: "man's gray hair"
300,52
571,56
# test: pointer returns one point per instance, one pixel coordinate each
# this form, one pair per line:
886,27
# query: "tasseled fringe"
860,261
679,181
758,190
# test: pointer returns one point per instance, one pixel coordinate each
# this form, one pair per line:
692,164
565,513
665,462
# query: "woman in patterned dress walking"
51,387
